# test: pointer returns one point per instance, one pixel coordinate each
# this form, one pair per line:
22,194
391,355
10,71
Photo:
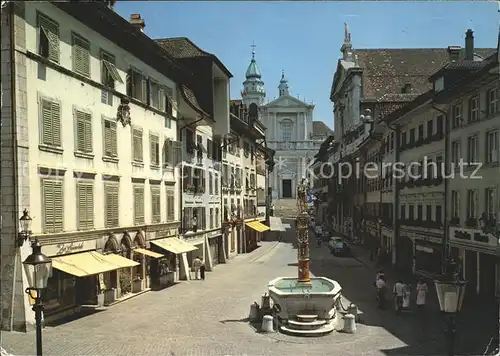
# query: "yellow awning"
174,245
148,253
90,263
257,226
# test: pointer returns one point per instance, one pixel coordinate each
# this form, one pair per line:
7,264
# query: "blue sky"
304,38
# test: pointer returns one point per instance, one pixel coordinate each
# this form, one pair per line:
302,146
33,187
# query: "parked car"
338,246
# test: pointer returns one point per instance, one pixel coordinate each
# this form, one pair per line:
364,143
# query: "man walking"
398,291
202,269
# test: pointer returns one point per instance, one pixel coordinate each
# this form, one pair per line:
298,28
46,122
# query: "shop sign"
69,247
472,235
424,249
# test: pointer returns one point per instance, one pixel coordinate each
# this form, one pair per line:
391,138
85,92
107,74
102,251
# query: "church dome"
253,70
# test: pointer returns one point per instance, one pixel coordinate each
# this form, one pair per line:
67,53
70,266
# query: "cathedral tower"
253,87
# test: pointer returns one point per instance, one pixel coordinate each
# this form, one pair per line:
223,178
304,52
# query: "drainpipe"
395,213
446,239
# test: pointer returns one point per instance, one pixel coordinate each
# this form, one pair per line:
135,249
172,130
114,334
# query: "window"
403,139
111,205
411,213
428,213
83,131
474,109
210,183
155,205
209,149
85,205
456,152
211,218
136,85
170,205
490,195
172,152
48,38
492,100
167,100
472,149
402,212
50,123
457,116
217,217
471,203
138,204
439,125
420,132
430,128
52,205
492,146
439,214
137,145
412,136
81,55
154,146
455,204
154,94
286,130
109,73
392,141
419,212
110,139
216,183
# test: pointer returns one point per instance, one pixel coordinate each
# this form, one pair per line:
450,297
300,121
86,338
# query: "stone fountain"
304,306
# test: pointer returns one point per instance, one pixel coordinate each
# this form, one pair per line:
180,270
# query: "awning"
257,226
149,253
90,263
276,224
174,245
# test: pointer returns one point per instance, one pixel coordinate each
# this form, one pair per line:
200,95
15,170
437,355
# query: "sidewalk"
475,323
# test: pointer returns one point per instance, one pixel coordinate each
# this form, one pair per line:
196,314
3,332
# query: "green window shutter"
170,205
137,145
46,125
177,152
81,56
111,205
110,144
115,207
83,131
90,206
58,206
139,205
51,30
161,99
154,149
81,206
56,124
48,205
155,204
144,90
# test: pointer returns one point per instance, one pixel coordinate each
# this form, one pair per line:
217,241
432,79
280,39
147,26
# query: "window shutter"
80,131
177,152
130,82
81,55
145,92
137,145
81,193
161,99
90,205
110,144
56,124
48,205
115,206
51,30
139,204
47,133
58,206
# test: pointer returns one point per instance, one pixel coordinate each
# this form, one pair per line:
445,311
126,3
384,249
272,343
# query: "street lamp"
38,268
450,291
24,228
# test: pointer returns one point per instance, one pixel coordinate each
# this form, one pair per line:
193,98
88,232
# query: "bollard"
254,312
267,324
349,324
353,309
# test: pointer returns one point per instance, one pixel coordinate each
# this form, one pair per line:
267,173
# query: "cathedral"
291,131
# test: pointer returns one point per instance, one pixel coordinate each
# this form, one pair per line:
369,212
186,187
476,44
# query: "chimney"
454,53
469,45
137,22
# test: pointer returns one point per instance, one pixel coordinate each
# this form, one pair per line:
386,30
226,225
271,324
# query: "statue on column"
347,33
302,196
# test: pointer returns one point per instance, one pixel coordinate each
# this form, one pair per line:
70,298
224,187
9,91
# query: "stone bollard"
267,324
353,309
349,324
254,312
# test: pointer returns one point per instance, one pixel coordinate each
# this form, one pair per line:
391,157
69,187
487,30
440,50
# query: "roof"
320,129
388,70
183,47
253,70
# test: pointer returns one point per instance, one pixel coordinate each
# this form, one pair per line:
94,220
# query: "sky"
304,38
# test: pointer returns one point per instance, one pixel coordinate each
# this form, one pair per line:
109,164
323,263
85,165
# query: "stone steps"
307,325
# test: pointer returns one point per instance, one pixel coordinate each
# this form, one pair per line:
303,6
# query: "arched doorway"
142,270
111,278
126,273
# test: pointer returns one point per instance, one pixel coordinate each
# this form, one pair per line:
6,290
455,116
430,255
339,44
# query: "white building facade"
90,170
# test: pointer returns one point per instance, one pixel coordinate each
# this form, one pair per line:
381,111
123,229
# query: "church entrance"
287,188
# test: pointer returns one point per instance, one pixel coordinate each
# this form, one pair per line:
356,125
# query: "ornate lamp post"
302,225
24,228
38,268
450,291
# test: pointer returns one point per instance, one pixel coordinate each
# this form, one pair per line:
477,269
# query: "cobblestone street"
208,318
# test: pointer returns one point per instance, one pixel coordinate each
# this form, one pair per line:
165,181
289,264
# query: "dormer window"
439,84
406,89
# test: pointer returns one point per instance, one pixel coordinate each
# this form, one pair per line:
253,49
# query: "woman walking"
421,293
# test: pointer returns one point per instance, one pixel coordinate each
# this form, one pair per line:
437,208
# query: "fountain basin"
317,299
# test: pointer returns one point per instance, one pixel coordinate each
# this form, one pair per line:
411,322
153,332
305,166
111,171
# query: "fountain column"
302,227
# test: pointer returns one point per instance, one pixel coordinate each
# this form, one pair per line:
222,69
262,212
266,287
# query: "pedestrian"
398,292
421,293
202,269
381,287
196,266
